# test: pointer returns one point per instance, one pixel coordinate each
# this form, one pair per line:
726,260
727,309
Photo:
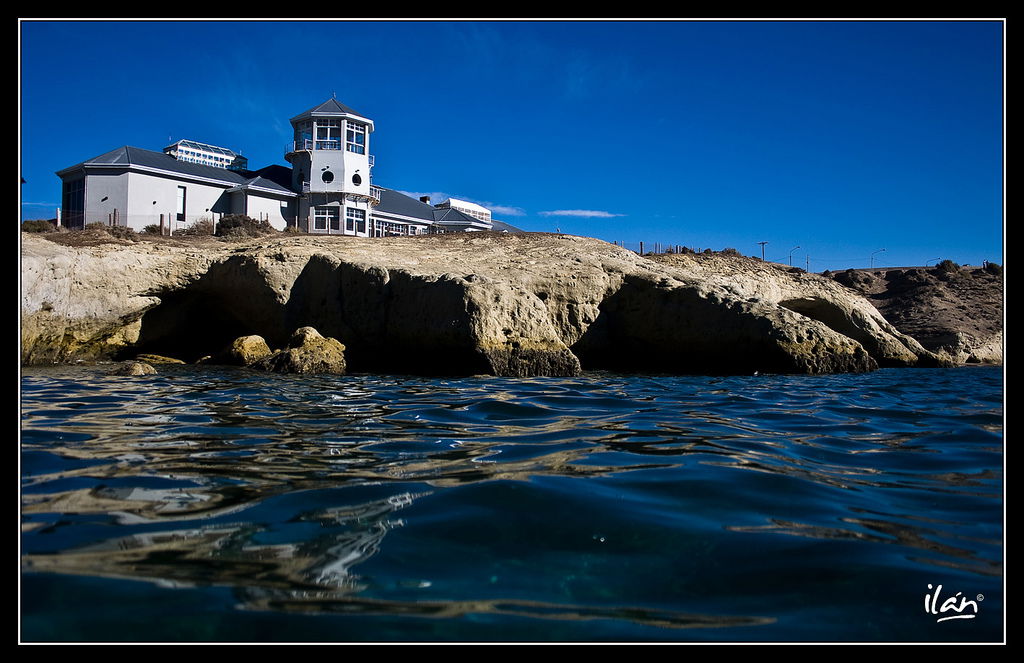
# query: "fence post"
161,225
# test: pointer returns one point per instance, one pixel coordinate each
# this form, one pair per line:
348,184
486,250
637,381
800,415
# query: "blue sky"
841,137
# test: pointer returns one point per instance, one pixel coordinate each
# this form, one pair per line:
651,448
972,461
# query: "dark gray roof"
501,226
276,174
330,106
453,217
393,202
128,156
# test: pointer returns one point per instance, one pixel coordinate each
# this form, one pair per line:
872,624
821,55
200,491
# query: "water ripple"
288,489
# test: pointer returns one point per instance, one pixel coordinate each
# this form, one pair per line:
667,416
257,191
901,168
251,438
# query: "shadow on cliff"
389,321
650,327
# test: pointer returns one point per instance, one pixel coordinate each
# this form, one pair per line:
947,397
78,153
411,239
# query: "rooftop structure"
193,151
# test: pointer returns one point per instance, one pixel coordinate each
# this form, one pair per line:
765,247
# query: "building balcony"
373,197
308,145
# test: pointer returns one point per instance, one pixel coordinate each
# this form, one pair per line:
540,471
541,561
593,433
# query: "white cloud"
587,213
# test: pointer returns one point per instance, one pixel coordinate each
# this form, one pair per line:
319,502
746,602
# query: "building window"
328,134
326,217
181,204
73,204
355,220
327,177
355,138
303,135
389,229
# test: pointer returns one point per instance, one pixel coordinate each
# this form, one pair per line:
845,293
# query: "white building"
472,209
327,189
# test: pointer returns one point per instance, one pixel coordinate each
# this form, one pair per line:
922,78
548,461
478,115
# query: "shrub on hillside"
240,225
201,226
947,266
37,226
120,232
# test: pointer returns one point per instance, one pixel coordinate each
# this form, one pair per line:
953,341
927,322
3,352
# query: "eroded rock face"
954,312
473,303
87,303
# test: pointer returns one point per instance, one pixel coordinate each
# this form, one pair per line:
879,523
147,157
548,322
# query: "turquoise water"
220,504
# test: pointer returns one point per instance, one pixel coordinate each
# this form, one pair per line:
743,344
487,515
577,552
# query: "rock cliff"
477,303
956,312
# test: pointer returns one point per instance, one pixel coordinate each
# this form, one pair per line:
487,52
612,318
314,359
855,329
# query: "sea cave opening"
188,326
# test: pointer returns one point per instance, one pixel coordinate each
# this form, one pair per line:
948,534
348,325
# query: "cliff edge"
458,304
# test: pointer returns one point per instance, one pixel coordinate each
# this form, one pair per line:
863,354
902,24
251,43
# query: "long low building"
327,189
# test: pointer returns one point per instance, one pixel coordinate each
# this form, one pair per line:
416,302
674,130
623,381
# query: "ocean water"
221,504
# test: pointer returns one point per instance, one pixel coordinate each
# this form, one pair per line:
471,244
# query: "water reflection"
232,554
315,575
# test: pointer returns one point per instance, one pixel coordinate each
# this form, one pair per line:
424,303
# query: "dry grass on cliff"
99,236
88,237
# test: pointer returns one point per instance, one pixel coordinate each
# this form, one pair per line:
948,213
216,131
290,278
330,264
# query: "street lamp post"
791,255
873,257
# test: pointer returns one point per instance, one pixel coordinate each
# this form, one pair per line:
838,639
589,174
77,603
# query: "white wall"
150,196
141,198
272,209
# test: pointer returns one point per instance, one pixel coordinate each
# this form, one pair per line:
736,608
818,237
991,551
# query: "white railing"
374,194
308,144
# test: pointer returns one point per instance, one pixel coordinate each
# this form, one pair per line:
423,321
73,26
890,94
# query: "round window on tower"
356,179
327,177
